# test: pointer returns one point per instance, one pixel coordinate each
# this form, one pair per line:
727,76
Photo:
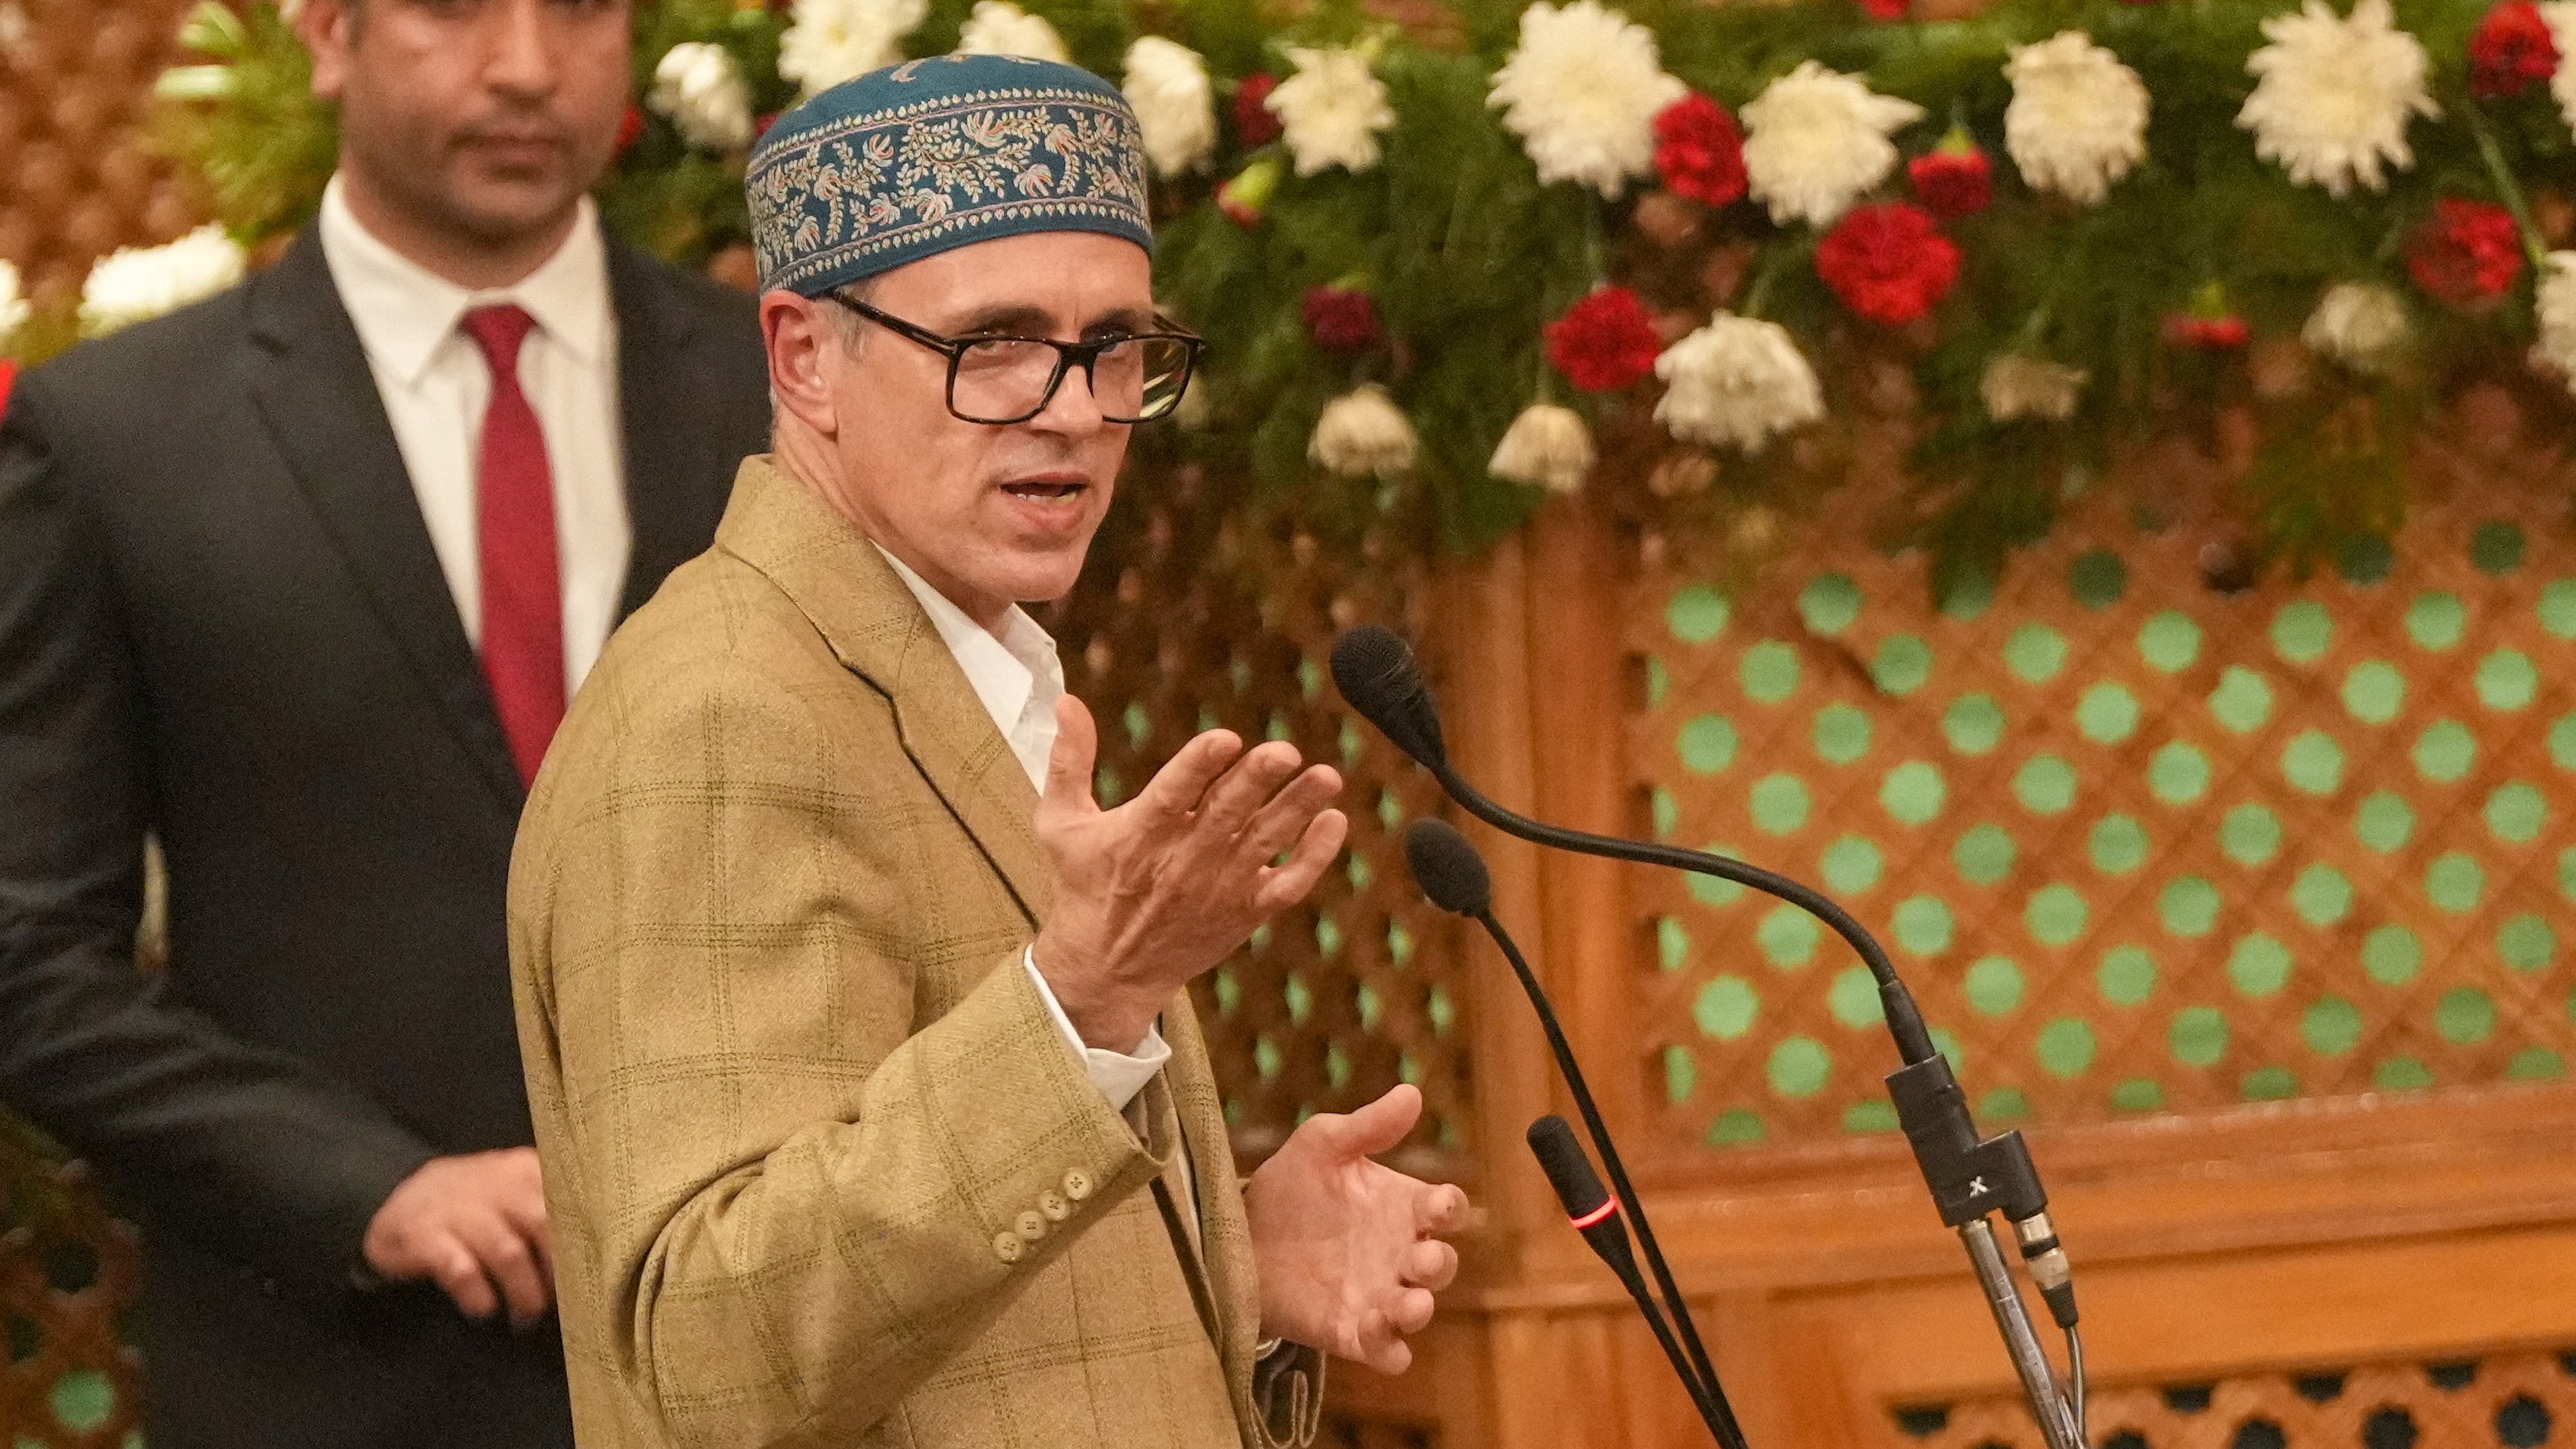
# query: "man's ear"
328,29
805,358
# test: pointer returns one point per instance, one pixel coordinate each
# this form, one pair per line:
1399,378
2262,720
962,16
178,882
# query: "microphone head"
1447,868
1567,1169
1378,676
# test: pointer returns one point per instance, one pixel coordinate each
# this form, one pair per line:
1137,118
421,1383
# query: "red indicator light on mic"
1609,1209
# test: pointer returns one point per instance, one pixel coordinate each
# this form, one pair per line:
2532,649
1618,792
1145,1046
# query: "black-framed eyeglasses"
1134,377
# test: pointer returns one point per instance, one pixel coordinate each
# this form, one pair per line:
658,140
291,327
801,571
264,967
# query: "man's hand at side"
476,1226
1348,1252
1152,893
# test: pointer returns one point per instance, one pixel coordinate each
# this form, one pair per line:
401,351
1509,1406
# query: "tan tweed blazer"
821,1171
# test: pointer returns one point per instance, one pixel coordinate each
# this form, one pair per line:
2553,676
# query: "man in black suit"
297,581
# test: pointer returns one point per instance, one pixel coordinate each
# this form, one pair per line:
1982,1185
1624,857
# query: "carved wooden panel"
2508,1401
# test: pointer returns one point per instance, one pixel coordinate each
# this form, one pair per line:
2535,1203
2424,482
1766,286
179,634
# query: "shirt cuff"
1118,1075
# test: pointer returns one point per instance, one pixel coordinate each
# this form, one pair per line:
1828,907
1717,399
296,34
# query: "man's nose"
522,51
1074,410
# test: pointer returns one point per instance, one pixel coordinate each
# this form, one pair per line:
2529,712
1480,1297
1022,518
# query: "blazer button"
1077,1184
1054,1206
1031,1227
1008,1247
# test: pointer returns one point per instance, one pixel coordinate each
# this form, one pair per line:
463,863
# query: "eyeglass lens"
1004,379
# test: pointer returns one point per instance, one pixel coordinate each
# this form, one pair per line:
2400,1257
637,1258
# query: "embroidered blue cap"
932,155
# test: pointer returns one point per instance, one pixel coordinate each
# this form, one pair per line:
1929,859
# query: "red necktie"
514,515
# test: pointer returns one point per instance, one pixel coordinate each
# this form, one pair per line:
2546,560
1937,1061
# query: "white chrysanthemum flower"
1167,83
1739,381
2332,96
829,41
13,303
136,284
1363,432
1581,91
999,27
2078,117
2560,17
700,88
2358,325
1330,110
1815,139
1546,445
2016,385
2555,302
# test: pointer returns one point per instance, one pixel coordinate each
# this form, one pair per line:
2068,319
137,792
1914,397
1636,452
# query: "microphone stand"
1970,1178
1700,1376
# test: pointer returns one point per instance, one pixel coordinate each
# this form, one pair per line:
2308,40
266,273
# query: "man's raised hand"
1347,1251
1162,888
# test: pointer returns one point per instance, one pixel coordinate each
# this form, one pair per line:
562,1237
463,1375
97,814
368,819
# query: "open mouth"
1045,490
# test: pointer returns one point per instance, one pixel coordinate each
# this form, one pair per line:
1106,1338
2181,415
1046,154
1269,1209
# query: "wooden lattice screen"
1186,623
75,83
67,1270
2142,845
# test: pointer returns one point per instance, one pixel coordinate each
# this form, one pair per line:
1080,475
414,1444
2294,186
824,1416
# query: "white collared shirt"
436,387
1017,676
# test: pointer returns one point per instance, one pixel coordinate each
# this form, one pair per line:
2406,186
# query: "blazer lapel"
666,453
878,630
310,385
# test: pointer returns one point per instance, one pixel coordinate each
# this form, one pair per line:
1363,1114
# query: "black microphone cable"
1451,872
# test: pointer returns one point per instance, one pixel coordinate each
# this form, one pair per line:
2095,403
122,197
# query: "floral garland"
1434,264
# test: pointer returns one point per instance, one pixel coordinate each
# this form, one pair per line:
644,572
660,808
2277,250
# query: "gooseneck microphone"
1453,876
1969,1176
1378,676
1595,1214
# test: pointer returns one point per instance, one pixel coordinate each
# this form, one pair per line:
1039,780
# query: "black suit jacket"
222,622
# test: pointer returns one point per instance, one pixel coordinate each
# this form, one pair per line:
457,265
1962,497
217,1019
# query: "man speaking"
870,1100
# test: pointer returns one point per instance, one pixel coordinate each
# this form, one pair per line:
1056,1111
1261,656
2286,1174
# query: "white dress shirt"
1018,677
436,387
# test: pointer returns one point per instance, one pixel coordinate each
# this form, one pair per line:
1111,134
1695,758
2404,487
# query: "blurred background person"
299,581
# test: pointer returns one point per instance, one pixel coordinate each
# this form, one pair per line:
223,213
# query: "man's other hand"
1348,1252
476,1226
1162,888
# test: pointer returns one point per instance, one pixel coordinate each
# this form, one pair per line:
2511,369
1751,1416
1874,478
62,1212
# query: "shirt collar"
1007,670
404,312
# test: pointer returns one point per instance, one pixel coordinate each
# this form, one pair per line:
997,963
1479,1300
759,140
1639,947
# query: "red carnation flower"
1887,9
1888,262
1953,183
2210,334
2468,252
760,125
1604,342
1700,150
2512,51
8,381
1342,319
1254,125
630,129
